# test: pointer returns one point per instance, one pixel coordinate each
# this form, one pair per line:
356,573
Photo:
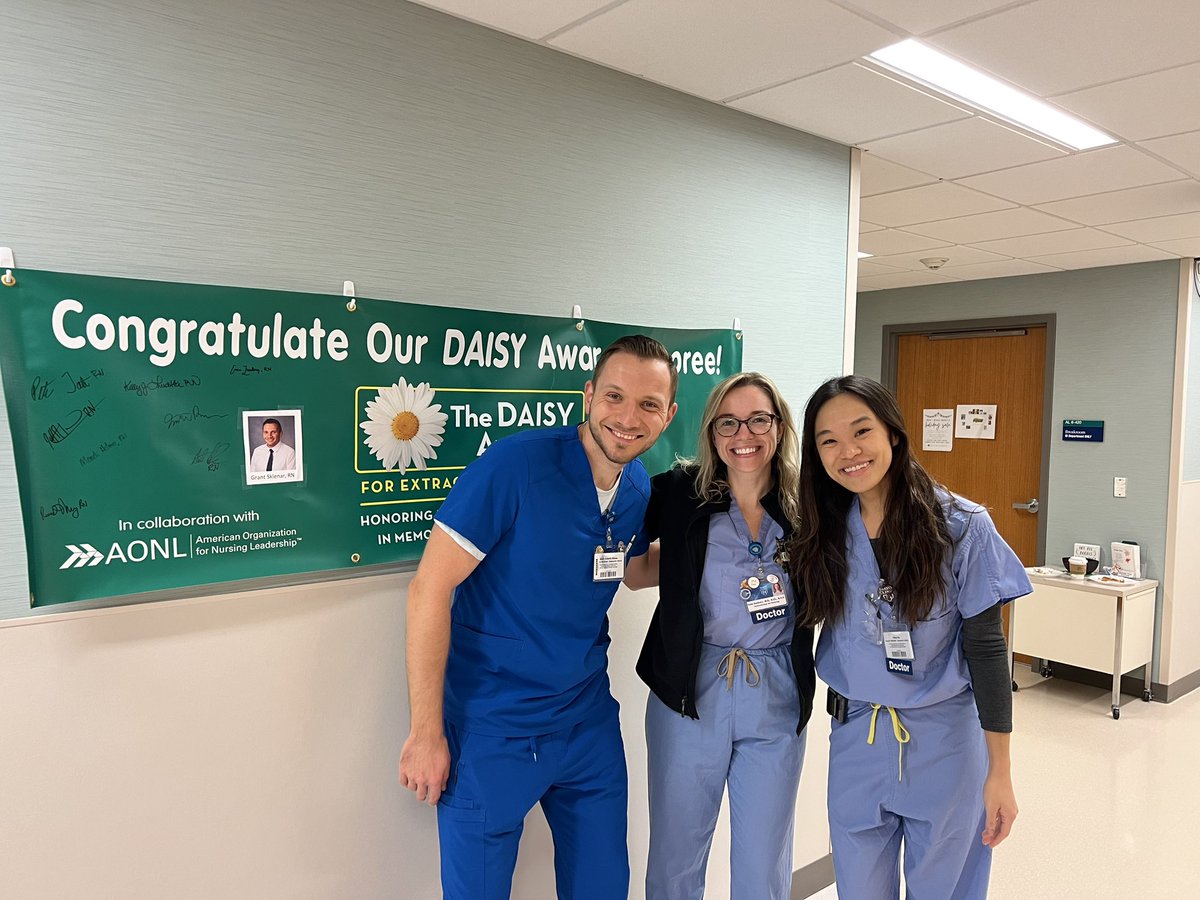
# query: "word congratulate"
163,341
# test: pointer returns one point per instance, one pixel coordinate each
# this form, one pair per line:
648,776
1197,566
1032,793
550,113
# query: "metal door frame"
887,368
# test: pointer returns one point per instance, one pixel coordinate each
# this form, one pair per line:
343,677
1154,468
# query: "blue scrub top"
529,628
727,561
980,571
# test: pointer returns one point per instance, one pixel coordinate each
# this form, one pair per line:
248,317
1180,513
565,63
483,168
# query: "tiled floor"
1109,809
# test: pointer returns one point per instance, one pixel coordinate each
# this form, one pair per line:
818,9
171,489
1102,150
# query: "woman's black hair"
914,536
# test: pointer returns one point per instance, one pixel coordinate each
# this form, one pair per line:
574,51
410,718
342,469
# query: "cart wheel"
1147,696
1045,671
1116,712
1014,687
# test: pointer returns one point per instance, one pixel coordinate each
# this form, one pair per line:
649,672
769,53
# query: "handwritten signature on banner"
60,431
191,415
61,507
43,389
209,456
158,383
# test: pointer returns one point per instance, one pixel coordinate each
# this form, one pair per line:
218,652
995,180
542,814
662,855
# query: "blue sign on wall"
1083,430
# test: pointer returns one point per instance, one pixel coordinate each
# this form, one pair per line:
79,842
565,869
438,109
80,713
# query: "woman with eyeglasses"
908,581
727,660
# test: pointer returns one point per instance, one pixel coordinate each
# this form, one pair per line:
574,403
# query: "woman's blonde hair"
711,479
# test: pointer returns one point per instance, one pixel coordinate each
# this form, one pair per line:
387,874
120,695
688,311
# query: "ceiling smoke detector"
934,262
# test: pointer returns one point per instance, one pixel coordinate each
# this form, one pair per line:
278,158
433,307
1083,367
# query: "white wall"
1181,596
246,745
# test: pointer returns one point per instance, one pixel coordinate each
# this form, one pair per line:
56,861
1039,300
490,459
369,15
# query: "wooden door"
944,371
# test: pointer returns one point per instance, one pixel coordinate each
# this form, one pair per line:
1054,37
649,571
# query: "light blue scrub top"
980,571
727,561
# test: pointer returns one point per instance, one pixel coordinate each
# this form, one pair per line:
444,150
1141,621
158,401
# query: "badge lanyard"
608,562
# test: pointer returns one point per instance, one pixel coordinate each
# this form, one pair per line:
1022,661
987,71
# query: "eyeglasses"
728,426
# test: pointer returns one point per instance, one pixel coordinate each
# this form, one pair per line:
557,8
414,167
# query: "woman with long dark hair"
728,662
907,581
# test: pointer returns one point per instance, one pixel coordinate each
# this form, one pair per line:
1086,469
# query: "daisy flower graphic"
402,427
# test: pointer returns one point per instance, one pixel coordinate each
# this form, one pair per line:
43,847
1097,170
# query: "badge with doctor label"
764,598
898,649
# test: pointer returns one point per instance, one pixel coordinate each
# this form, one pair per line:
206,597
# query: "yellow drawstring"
898,729
727,668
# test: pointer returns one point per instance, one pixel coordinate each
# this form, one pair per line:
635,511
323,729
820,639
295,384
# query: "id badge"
608,565
764,598
898,648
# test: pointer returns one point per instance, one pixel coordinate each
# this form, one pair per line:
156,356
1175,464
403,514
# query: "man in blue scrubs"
508,684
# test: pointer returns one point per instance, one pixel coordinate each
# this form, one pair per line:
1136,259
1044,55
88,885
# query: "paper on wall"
937,431
976,421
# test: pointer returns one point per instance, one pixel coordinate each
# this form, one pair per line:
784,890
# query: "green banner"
172,435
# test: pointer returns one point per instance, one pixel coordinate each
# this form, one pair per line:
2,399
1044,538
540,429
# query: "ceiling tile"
888,243
901,279
878,176
919,16
1143,107
1053,46
1181,149
1112,256
956,256
1164,228
924,204
992,226
1136,203
1053,242
1183,247
722,48
1108,169
868,267
1002,269
528,18
818,104
868,227
962,148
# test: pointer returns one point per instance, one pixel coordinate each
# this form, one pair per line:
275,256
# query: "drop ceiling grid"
722,50
1068,45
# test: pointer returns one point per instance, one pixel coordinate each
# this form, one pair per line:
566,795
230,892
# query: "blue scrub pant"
746,736
935,809
578,775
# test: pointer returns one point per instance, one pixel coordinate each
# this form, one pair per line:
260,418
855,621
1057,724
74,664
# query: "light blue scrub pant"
935,809
746,736
577,774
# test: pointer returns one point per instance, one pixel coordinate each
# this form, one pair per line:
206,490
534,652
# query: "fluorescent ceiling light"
862,254
948,76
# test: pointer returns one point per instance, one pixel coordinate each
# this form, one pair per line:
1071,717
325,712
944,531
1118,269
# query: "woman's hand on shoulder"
642,571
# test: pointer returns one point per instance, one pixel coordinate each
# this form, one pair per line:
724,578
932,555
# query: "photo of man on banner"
273,446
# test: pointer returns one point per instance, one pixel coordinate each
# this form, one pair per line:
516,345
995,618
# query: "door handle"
1032,506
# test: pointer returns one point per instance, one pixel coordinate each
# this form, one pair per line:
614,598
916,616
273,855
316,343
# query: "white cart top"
1106,585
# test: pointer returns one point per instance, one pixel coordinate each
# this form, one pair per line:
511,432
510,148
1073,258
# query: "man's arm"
425,759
